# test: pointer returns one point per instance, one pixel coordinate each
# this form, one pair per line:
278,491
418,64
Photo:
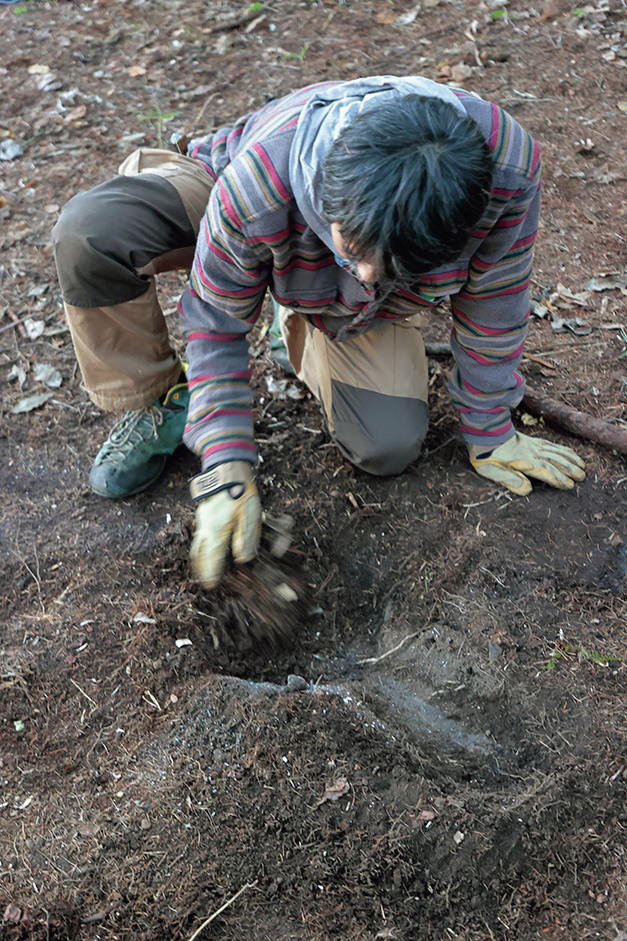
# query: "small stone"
12,913
297,682
145,823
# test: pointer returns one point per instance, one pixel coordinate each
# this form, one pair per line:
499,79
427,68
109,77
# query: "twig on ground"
95,705
388,653
16,323
249,885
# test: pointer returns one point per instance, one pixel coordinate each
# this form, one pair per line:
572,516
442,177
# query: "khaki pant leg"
124,354
124,350
187,176
373,388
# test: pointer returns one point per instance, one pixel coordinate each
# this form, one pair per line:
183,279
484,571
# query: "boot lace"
131,430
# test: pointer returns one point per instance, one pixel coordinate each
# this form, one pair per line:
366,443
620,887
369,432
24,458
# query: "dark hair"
407,182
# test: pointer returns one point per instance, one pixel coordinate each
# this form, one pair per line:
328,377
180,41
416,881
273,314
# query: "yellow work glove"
511,463
228,516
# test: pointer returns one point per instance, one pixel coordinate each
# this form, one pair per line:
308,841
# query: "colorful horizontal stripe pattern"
254,238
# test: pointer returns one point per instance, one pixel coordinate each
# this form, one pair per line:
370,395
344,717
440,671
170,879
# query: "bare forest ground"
439,751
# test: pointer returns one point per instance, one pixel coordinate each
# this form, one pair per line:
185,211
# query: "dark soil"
439,751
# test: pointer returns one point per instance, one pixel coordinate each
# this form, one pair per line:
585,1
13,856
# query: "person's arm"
221,305
218,309
490,317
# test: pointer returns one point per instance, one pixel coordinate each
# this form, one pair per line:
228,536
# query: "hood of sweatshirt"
323,118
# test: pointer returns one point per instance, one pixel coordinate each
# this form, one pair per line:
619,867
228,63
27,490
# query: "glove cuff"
219,478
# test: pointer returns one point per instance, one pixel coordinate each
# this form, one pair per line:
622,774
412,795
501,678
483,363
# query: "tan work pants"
124,351
373,388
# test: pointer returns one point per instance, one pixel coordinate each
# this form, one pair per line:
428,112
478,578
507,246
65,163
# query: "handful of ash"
264,603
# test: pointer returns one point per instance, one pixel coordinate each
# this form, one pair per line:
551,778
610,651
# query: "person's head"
404,186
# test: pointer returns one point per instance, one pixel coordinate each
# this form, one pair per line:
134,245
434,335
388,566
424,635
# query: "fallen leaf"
38,69
51,208
426,814
550,10
38,289
16,372
461,72
622,105
607,283
386,18
10,149
45,372
335,790
405,19
76,113
603,175
31,402
276,386
34,328
48,82
585,147
575,324
137,70
144,619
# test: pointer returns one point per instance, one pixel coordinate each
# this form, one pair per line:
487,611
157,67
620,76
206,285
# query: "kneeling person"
357,205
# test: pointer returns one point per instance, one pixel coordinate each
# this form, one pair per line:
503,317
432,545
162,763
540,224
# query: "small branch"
249,885
16,323
232,22
95,705
578,423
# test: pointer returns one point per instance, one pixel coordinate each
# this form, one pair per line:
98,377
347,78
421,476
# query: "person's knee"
387,457
86,240
93,252
381,435
71,231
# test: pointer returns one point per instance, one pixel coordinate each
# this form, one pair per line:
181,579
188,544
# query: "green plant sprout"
297,55
583,655
160,117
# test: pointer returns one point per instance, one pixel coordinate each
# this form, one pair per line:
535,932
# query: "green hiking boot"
133,456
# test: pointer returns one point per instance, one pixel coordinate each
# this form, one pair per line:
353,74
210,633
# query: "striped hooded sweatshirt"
264,230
